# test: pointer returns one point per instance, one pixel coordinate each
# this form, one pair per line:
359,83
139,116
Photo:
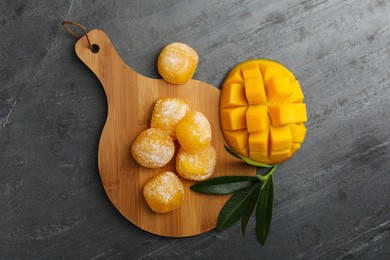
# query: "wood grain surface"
130,98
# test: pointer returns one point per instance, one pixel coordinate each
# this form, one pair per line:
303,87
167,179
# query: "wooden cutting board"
130,98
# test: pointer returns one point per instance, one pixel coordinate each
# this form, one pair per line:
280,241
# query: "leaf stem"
271,172
264,178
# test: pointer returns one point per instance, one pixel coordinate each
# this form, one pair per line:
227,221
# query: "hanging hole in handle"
95,48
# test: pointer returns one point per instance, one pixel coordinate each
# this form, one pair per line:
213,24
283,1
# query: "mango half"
261,111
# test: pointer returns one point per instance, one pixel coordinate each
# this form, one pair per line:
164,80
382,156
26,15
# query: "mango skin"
261,111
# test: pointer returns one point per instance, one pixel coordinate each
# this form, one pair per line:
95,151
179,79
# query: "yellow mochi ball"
167,112
153,148
177,63
196,166
164,192
193,132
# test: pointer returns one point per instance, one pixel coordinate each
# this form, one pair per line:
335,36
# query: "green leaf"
234,208
247,160
251,162
224,184
249,210
264,210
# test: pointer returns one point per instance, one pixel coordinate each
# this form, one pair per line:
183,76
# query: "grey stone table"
332,198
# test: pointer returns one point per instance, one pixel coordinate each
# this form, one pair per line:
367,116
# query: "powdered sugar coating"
177,63
167,112
194,132
164,192
196,166
153,148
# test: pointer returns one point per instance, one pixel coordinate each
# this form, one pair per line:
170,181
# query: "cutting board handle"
103,60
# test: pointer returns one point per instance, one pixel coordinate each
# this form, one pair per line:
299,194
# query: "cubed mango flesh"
254,86
280,138
261,111
234,96
283,114
298,132
234,76
269,69
258,142
238,139
257,119
234,118
279,89
297,95
258,156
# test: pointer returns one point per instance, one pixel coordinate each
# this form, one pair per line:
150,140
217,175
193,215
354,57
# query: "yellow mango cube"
251,72
271,72
242,152
259,156
280,138
233,95
233,118
279,89
237,139
298,132
280,155
297,95
257,118
254,90
258,142
283,114
234,76
254,86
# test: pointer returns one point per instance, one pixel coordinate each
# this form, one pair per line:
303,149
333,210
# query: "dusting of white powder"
202,164
202,129
167,113
156,149
178,58
165,186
